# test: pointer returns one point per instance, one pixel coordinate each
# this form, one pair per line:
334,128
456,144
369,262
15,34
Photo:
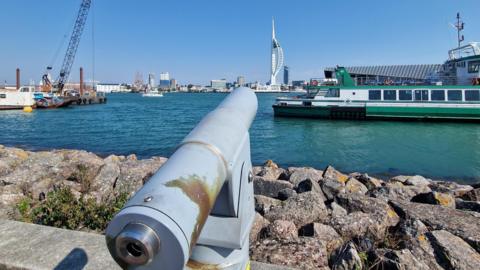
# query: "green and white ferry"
346,100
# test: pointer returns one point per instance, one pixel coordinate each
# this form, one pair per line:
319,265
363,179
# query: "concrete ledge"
25,246
29,246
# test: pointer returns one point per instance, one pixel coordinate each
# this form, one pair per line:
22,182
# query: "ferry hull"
373,113
433,113
327,112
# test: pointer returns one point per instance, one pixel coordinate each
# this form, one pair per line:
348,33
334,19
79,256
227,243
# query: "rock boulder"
368,181
453,252
324,233
398,191
456,189
302,209
467,205
302,253
397,260
298,175
269,188
259,224
434,197
282,229
263,204
376,207
332,174
437,217
355,186
347,258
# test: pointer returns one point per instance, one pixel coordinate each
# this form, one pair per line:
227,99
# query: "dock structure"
86,97
415,74
89,99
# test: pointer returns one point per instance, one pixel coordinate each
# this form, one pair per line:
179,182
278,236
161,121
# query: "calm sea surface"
129,123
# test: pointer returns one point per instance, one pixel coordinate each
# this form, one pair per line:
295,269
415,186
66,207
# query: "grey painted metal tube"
159,226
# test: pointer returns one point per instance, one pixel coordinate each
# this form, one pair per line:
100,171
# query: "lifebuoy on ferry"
314,82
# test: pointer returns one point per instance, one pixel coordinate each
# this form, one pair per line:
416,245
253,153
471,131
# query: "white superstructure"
277,57
17,99
463,65
152,93
111,88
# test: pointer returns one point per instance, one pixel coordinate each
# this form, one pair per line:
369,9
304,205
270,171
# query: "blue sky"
197,41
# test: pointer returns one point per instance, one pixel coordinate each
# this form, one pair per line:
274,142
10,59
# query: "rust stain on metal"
192,264
201,194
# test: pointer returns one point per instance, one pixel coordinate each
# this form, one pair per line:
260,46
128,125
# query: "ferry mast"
459,25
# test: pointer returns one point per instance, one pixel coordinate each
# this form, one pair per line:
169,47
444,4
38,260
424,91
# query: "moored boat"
152,93
452,94
349,101
17,99
52,102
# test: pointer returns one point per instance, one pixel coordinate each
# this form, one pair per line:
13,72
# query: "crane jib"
73,44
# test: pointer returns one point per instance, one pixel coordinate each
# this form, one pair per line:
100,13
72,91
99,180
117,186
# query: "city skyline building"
286,74
173,84
164,76
241,81
218,84
277,57
164,80
151,81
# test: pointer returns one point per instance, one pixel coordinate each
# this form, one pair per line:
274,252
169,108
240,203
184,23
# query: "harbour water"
130,123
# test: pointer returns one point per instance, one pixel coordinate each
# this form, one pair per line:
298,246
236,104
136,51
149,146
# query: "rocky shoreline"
305,218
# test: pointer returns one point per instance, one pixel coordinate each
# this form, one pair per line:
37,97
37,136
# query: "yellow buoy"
28,109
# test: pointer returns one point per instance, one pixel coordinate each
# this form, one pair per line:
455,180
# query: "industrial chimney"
18,78
81,81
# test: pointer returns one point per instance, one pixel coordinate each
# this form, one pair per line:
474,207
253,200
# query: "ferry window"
473,66
461,64
454,94
405,94
438,95
472,95
389,94
333,92
374,95
421,95
3,95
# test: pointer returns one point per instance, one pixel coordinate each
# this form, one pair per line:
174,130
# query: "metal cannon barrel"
161,223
